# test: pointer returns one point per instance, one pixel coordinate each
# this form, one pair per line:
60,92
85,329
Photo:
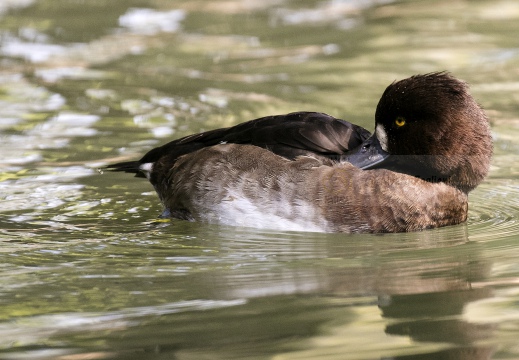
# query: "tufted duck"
308,171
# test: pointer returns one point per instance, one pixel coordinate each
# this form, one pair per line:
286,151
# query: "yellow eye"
399,121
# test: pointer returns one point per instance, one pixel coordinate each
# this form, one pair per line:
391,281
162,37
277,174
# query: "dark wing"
290,135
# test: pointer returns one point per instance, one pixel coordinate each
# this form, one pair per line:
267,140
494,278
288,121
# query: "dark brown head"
432,128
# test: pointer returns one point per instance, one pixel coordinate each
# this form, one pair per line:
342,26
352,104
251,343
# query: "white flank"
381,136
238,210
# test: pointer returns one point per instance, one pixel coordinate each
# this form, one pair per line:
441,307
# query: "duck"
309,171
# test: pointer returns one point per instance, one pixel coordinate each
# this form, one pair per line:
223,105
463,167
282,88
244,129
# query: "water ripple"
494,210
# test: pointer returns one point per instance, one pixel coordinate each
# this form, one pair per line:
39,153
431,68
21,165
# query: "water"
87,270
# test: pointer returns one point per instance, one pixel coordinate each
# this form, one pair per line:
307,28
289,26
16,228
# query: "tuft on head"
427,96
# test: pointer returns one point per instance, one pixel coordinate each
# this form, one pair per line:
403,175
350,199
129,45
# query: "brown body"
311,192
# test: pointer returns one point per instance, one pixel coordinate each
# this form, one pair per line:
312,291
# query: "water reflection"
437,325
87,271
267,287
421,288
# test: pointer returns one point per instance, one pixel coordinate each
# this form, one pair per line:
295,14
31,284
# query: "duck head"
429,126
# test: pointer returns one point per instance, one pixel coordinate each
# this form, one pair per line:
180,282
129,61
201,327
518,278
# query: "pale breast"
272,212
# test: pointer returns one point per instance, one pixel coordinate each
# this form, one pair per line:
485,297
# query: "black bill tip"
368,155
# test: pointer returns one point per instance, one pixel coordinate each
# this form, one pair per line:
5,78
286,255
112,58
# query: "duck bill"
368,155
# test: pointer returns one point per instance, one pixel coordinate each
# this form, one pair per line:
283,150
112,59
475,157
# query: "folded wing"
290,135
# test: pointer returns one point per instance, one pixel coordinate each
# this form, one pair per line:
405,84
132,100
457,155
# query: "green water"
88,272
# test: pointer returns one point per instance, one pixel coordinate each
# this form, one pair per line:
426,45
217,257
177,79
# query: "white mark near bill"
381,136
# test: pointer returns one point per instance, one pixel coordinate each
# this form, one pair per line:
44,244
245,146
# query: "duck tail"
133,167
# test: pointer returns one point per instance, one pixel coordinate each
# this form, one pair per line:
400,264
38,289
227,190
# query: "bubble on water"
32,52
151,22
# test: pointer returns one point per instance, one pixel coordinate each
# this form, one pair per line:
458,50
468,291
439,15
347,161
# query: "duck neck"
454,170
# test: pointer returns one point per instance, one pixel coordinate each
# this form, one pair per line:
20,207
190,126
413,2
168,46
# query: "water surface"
87,270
